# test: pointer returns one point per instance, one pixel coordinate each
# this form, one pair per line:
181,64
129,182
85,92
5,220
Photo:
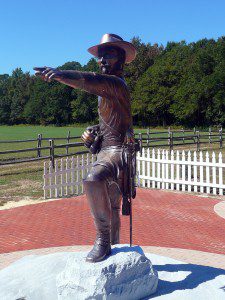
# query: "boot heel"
99,252
109,251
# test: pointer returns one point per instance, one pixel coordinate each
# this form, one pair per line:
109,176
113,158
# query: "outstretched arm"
97,84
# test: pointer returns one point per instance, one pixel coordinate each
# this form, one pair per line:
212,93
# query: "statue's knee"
97,174
91,177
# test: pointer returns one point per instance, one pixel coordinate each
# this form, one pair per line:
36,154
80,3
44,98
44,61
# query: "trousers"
103,186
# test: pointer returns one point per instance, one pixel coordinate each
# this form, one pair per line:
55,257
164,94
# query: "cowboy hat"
110,39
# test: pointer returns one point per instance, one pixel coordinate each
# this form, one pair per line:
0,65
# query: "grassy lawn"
8,133
24,181
22,132
29,132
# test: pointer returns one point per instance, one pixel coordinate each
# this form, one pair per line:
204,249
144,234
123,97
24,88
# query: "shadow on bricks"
198,275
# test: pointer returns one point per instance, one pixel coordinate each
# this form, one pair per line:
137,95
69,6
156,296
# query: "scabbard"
126,208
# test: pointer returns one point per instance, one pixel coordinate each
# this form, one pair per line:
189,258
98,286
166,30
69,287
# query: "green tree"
18,93
155,89
146,55
182,84
84,105
5,103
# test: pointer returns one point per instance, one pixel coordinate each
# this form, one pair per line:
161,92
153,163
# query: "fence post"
220,174
168,135
140,142
183,134
52,153
170,141
198,141
221,138
148,137
210,135
68,140
39,140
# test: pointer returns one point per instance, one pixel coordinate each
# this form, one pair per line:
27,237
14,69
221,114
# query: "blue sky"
38,32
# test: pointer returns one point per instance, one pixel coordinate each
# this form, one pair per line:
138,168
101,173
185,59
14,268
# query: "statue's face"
108,60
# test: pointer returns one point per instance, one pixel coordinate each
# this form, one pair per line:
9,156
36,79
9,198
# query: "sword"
129,181
131,224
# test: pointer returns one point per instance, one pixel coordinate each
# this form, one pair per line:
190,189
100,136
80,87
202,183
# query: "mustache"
105,68
104,65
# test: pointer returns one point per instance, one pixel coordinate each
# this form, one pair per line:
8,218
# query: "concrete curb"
188,256
219,209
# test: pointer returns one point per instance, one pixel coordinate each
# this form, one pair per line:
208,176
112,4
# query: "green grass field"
20,132
29,132
21,181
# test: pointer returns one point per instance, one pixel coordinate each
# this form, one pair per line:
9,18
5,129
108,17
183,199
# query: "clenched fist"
88,138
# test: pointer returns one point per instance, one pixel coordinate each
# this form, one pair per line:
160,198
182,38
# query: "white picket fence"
161,169
181,171
67,177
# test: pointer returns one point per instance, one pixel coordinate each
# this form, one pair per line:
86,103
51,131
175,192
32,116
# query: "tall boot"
99,202
115,199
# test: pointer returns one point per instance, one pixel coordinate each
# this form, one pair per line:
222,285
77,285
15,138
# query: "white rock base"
126,274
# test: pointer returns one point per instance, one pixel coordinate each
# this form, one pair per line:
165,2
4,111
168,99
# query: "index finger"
39,69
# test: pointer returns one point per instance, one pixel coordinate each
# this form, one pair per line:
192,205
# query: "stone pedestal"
126,274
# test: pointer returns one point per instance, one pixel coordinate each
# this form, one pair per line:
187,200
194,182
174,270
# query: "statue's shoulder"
109,78
122,88
119,80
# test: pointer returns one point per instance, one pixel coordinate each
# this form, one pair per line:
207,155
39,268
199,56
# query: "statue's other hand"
47,73
88,138
93,128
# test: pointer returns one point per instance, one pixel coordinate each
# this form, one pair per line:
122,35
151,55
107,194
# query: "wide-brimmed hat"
110,39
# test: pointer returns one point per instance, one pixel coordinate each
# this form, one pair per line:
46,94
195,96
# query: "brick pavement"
161,219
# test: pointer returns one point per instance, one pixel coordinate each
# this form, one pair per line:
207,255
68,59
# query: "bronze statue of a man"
104,183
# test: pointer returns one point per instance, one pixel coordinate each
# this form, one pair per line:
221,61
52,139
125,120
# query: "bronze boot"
115,229
99,202
115,199
100,250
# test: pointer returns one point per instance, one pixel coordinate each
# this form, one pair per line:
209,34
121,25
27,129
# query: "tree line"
177,84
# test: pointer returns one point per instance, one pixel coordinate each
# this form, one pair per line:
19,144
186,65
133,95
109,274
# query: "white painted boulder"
126,274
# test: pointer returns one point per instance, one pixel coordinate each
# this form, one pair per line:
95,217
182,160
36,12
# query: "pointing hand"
48,74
